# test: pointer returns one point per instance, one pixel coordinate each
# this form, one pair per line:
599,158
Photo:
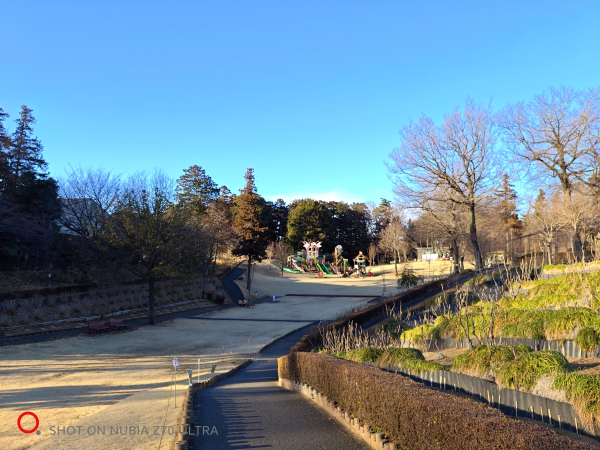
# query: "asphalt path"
249,410
233,289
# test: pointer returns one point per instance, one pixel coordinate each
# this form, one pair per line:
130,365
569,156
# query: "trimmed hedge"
313,337
413,415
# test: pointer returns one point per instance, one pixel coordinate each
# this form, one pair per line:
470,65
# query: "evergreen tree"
247,222
276,217
311,220
196,190
25,151
4,148
507,208
29,204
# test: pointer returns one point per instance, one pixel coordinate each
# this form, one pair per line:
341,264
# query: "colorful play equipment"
294,264
312,256
338,264
360,266
309,260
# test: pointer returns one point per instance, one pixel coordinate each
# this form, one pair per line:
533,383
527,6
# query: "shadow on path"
249,410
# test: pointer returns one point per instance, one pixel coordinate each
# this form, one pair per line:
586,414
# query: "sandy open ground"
123,380
268,281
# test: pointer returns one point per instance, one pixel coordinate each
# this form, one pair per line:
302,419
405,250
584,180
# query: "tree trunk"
577,246
474,240
396,263
248,280
151,301
456,255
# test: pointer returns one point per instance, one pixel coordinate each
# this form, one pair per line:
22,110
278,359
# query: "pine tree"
196,190
25,153
247,223
4,148
508,209
29,204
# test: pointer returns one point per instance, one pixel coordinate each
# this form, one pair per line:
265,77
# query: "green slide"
323,268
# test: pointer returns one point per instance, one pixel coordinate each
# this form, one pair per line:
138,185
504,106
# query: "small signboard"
175,363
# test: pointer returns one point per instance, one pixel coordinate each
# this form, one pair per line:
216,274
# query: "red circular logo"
28,413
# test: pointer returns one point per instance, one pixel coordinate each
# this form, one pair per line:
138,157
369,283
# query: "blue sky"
310,94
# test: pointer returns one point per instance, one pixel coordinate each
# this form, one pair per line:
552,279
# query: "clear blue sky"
310,94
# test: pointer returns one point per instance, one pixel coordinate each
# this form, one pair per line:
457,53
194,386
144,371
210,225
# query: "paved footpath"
249,410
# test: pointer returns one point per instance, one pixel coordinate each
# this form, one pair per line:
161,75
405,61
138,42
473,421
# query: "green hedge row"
413,415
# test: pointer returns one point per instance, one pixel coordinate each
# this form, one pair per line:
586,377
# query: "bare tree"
545,220
578,212
372,252
448,218
393,240
452,162
86,196
557,134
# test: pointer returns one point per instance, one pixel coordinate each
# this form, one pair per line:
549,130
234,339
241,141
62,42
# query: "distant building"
431,253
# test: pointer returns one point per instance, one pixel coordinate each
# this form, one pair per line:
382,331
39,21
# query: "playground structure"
312,255
360,266
338,264
294,264
310,261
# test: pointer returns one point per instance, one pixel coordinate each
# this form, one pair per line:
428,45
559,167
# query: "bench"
116,324
243,302
97,327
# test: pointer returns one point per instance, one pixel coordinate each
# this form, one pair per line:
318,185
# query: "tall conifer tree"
248,224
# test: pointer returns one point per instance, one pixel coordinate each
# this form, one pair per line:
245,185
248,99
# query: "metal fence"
567,348
510,402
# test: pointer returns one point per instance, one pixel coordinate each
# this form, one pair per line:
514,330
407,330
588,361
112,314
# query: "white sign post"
175,366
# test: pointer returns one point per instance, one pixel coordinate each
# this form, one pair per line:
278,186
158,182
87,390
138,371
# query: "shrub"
583,391
524,372
587,339
408,278
415,416
365,354
408,358
478,361
395,355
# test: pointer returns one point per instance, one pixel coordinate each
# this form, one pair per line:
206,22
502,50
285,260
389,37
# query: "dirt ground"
268,281
93,383
446,356
587,366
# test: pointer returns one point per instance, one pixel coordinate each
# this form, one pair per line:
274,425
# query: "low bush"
393,356
413,415
587,339
365,354
524,372
583,392
483,362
